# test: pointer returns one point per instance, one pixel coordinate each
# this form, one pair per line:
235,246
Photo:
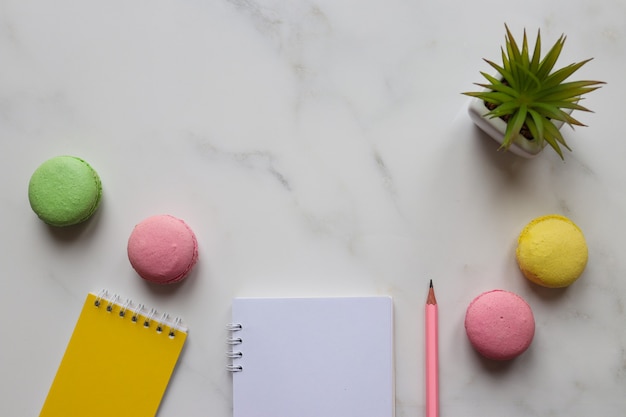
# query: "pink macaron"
162,249
500,324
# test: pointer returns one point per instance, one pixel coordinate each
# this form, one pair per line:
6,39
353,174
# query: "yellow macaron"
552,251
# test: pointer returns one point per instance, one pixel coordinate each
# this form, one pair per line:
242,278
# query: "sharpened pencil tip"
431,294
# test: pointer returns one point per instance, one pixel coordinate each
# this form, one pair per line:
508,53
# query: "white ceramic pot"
496,128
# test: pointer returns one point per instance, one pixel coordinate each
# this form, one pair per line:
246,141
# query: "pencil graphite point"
431,294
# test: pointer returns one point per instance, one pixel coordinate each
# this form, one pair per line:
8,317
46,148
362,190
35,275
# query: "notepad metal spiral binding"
139,312
233,341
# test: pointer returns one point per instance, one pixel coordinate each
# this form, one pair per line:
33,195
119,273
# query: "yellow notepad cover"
114,365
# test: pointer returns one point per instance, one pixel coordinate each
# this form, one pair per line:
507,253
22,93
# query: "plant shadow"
503,160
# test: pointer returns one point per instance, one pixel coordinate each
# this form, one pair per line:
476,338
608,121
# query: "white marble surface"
317,148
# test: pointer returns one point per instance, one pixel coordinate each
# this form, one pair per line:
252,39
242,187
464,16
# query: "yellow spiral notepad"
118,361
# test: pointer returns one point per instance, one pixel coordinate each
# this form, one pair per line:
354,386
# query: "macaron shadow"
547,295
498,368
69,234
168,289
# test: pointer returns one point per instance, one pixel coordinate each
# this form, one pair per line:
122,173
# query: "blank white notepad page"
314,357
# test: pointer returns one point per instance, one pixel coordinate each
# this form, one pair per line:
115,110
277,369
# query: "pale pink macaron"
500,324
162,249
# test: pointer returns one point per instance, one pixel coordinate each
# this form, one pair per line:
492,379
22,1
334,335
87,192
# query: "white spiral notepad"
312,357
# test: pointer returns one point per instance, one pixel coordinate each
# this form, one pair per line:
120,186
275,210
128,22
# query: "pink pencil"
432,359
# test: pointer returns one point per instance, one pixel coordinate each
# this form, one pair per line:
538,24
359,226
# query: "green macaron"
64,191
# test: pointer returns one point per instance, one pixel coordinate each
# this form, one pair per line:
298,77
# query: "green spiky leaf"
529,92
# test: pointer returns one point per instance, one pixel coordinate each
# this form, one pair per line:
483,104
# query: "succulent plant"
527,93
